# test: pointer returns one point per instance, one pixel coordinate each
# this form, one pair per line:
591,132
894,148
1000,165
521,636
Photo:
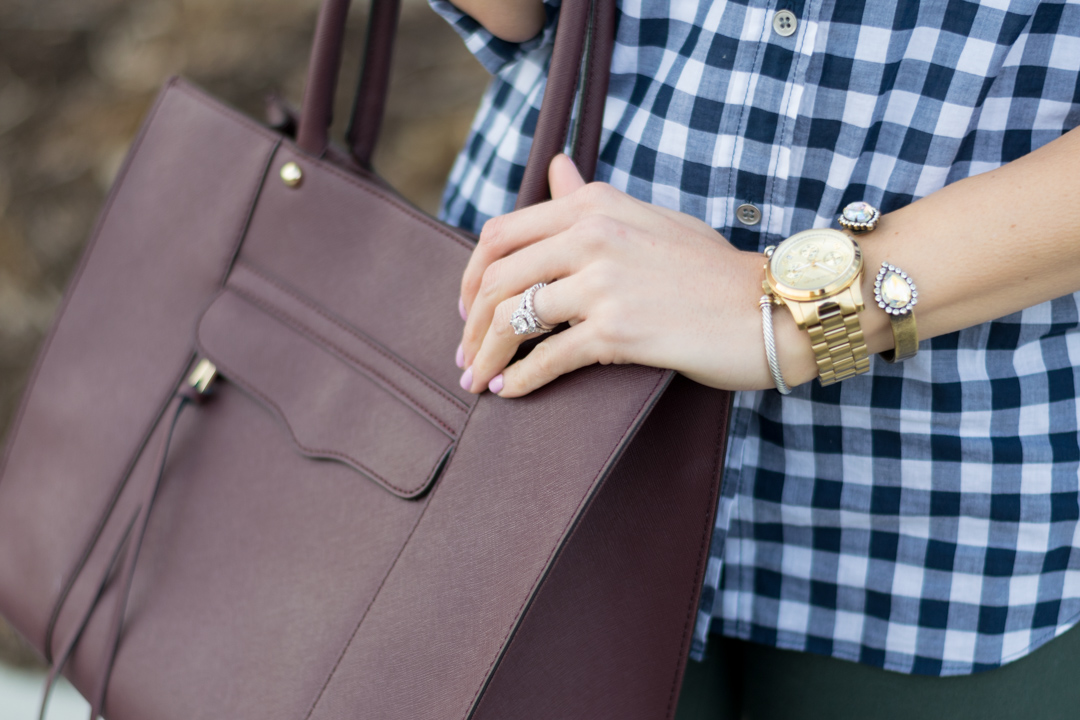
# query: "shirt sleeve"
492,52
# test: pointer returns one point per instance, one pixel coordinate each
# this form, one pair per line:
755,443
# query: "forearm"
638,283
979,249
510,20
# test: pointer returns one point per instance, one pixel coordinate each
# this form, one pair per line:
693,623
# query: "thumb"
563,176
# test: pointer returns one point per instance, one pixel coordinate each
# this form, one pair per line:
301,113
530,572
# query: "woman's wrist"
795,354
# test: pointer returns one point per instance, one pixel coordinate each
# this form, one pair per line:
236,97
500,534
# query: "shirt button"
748,214
784,23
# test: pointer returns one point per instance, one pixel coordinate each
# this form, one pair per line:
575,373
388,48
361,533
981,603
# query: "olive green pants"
746,681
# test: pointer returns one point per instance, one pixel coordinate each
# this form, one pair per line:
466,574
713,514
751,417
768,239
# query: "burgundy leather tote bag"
328,526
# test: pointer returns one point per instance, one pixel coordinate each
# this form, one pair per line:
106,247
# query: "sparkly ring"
524,320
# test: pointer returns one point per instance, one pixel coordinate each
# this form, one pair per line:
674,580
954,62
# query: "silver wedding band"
524,320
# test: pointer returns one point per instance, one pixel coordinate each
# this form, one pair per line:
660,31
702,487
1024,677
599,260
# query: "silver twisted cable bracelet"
770,345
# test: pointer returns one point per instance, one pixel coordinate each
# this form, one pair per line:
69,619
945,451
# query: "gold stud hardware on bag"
291,174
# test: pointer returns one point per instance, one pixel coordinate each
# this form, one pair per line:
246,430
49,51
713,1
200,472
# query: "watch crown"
769,251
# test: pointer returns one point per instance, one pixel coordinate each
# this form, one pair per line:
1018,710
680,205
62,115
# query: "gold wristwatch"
817,274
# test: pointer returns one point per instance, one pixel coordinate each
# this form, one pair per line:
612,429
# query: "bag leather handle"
370,104
590,53
576,32
317,110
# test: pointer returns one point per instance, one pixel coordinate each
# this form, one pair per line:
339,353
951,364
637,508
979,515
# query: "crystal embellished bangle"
859,217
897,295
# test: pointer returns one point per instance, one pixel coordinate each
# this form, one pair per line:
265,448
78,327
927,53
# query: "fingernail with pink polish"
460,357
466,379
461,308
496,384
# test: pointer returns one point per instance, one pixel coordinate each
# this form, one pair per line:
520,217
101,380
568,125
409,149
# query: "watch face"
814,259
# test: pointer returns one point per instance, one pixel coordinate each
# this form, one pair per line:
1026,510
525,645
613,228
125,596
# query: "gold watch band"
905,338
837,337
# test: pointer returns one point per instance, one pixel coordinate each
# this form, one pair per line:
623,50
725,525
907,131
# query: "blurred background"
76,78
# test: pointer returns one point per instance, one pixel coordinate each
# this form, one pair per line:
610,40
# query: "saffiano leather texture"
338,530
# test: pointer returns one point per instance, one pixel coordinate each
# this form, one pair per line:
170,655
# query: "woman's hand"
637,283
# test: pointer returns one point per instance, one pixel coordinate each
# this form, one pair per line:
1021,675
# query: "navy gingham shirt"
922,517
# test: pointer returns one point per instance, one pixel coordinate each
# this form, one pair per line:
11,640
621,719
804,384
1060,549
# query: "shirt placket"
774,211
760,97
762,101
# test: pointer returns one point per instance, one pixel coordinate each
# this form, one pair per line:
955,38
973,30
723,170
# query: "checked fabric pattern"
923,517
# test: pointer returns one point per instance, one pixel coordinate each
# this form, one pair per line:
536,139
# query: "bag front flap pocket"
340,394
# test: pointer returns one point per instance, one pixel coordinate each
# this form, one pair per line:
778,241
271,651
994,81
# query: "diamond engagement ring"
524,320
